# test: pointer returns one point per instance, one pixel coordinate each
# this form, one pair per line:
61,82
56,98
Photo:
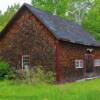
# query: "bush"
6,71
38,75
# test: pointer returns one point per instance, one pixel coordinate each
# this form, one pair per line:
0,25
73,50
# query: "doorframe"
85,55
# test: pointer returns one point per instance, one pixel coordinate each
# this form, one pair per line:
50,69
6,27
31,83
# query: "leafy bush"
38,75
6,71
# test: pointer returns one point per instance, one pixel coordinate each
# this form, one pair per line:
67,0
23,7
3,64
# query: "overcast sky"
4,3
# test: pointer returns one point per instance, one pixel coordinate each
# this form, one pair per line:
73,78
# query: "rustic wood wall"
68,53
28,35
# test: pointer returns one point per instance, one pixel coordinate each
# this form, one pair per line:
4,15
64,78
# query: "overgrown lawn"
86,90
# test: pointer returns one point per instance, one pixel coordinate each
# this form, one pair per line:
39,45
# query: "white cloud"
4,3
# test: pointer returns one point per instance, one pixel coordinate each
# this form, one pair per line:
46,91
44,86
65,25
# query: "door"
89,63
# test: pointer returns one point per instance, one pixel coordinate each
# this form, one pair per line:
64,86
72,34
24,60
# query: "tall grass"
87,90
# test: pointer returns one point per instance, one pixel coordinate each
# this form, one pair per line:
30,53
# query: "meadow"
85,90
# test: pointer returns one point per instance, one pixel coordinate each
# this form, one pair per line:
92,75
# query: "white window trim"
25,66
79,63
96,62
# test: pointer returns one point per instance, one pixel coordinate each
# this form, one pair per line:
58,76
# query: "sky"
4,3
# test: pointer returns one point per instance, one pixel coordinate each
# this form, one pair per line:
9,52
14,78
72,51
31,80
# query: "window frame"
96,62
25,61
79,63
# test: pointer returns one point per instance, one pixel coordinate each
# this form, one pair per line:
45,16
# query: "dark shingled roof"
63,29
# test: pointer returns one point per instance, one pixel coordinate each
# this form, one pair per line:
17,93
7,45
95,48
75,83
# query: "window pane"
97,62
25,61
78,63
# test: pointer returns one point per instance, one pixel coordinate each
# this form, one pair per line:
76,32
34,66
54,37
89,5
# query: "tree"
74,10
91,21
78,9
55,7
6,16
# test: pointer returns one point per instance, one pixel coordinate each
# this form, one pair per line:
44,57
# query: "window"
97,62
25,61
78,63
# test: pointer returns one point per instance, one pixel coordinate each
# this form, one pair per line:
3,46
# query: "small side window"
25,61
78,63
97,62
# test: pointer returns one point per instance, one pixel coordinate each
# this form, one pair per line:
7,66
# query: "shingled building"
33,37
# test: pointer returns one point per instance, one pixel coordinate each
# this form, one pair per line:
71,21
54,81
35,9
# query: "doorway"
89,63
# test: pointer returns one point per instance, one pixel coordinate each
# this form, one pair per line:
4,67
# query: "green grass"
87,90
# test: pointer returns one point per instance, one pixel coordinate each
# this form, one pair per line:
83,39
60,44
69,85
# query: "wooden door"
89,63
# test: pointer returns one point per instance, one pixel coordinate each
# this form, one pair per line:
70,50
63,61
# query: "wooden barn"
33,37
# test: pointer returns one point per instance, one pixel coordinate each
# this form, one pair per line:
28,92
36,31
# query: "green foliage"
6,71
56,7
35,75
6,16
39,75
91,21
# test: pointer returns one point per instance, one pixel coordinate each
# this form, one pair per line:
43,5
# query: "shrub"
38,75
6,71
